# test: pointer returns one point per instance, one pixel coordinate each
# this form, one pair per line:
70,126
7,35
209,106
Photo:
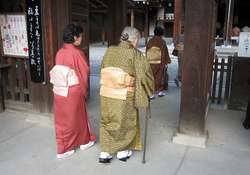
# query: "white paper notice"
14,35
244,45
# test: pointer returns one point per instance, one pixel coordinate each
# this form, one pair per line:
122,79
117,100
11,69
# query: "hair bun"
124,37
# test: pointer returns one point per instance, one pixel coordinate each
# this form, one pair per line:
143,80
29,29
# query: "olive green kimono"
119,126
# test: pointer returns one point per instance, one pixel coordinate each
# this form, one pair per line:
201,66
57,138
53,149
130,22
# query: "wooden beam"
92,4
137,10
131,3
102,3
98,11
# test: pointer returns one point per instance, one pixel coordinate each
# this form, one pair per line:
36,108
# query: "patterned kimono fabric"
119,126
159,71
71,120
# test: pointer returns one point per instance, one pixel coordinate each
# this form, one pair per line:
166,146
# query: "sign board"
35,40
14,35
244,44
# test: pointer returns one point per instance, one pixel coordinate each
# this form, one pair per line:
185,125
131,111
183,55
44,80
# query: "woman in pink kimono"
70,79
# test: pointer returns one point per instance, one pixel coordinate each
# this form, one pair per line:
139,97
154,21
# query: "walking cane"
149,110
148,115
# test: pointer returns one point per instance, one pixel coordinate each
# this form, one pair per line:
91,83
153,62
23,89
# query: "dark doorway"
241,13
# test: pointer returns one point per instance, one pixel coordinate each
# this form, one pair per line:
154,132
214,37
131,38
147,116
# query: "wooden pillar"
103,30
132,18
196,72
117,14
146,27
178,11
229,20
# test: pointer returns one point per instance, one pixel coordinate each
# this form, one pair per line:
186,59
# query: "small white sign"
244,44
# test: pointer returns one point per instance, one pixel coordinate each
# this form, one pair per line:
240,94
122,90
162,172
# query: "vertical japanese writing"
35,40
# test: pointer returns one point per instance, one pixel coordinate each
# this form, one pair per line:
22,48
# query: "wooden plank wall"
221,80
240,87
41,96
56,13
80,14
117,19
62,11
17,85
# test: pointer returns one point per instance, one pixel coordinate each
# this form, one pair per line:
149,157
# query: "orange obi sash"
180,47
115,83
154,55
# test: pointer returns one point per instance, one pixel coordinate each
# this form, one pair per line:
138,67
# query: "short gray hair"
130,34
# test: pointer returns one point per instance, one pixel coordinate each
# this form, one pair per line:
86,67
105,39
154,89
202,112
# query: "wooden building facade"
197,58
55,15
199,21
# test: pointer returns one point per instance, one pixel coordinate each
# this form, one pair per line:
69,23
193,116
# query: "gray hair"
130,34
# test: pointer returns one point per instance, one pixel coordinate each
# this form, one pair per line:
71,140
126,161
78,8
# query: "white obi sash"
62,77
115,83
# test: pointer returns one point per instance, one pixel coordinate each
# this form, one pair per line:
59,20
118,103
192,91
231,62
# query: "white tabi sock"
124,154
86,146
66,154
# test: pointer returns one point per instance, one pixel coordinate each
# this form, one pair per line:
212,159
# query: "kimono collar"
126,44
69,46
158,37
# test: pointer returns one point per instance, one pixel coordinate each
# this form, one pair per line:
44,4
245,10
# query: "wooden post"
103,30
228,21
177,18
196,72
132,18
146,27
117,14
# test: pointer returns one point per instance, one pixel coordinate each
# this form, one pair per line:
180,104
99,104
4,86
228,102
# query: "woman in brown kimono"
158,65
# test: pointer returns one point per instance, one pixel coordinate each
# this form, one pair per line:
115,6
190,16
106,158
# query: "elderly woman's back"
126,83
120,56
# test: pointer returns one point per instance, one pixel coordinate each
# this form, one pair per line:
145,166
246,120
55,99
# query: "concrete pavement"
27,144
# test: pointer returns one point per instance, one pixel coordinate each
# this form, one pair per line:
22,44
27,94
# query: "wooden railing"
222,70
17,85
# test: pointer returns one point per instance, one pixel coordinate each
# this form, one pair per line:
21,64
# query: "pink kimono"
71,119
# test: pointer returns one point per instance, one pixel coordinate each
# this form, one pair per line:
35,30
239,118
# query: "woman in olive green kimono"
126,85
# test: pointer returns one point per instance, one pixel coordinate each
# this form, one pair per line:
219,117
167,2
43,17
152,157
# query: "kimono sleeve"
144,80
166,56
82,71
